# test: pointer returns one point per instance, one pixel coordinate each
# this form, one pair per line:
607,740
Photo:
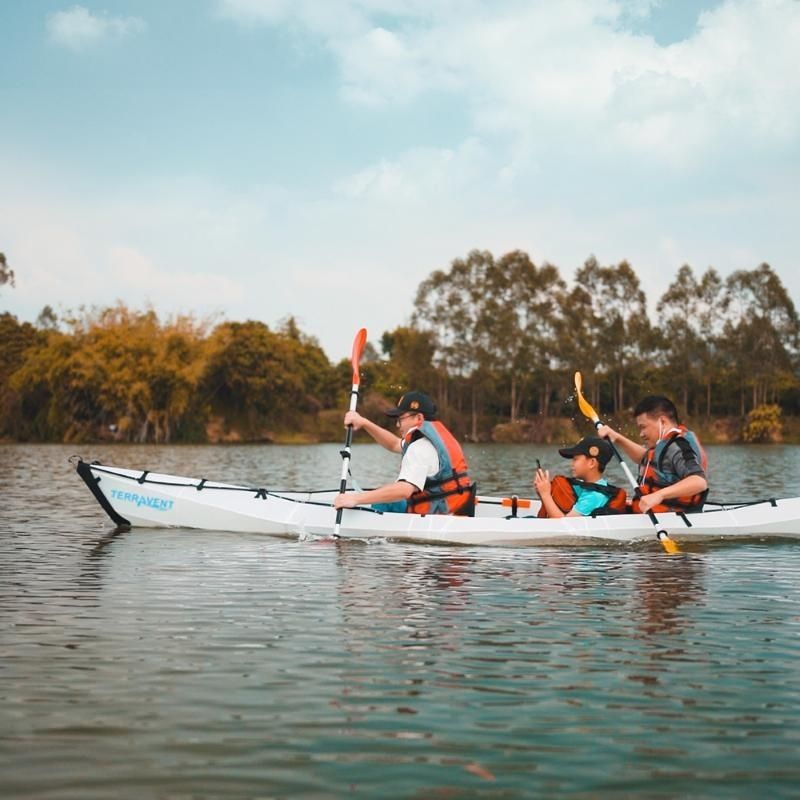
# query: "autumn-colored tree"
112,367
36,384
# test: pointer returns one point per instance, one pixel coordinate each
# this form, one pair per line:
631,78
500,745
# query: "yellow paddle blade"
583,403
670,546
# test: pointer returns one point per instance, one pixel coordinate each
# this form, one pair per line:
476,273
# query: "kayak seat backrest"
468,509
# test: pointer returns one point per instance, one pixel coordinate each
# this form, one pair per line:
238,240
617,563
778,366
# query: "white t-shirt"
420,461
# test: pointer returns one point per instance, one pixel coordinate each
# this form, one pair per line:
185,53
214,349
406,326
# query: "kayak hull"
140,498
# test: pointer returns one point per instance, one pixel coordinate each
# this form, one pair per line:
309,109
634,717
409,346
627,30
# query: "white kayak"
133,498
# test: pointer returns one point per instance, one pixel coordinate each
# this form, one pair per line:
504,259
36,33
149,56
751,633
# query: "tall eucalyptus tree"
761,333
449,306
616,328
690,326
518,323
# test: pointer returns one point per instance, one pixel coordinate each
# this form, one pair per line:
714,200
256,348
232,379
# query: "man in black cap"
587,492
672,462
433,475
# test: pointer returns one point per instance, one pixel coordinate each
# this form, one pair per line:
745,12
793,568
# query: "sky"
255,159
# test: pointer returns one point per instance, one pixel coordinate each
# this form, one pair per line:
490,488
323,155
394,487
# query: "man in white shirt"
433,473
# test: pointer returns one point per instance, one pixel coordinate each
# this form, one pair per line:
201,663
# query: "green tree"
17,337
411,354
47,319
518,323
615,316
318,377
259,378
761,334
690,325
577,341
449,308
6,273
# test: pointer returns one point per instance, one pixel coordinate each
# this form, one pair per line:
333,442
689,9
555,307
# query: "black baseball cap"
414,403
592,446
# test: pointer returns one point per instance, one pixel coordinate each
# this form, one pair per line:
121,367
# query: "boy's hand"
541,482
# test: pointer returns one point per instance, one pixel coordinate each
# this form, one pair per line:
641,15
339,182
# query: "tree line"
508,335
493,339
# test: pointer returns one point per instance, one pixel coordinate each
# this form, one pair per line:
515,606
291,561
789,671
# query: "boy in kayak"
433,475
672,462
587,492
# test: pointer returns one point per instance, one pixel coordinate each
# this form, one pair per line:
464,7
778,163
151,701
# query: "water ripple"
171,663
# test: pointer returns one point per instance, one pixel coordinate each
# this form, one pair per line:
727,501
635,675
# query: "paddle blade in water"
670,545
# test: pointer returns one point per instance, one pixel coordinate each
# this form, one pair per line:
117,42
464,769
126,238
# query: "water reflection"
97,553
423,589
667,589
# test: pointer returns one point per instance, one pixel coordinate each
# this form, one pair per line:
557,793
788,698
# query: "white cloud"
328,19
533,70
69,251
130,273
369,64
77,28
421,173
639,9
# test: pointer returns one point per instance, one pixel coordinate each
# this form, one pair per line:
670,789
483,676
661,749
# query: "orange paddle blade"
358,349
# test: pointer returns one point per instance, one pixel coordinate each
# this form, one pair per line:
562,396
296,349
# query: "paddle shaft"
358,349
346,453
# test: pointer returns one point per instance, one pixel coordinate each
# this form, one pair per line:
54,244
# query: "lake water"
178,664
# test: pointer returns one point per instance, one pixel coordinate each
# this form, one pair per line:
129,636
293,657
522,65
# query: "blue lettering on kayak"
155,503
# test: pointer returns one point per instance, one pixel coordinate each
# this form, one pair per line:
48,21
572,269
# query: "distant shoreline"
551,431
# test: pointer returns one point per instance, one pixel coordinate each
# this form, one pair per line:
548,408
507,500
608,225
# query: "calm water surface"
179,664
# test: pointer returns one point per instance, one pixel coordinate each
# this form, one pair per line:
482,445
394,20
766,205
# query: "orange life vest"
450,490
652,476
564,495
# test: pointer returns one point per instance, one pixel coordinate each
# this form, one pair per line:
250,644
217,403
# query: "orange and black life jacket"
653,476
450,490
564,495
